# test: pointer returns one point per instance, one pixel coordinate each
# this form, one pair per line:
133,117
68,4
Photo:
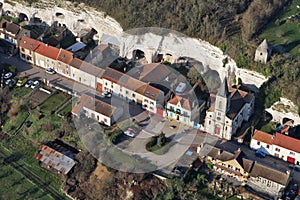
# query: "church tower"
222,106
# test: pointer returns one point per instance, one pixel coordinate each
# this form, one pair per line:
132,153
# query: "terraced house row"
63,62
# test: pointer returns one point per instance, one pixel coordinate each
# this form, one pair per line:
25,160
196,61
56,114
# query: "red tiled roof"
10,27
97,105
185,103
65,56
47,51
76,63
91,69
263,137
112,75
102,47
154,72
30,44
278,139
76,109
287,142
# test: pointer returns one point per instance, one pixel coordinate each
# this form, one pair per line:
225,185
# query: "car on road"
260,154
8,75
21,82
130,132
50,71
106,94
35,84
29,83
10,82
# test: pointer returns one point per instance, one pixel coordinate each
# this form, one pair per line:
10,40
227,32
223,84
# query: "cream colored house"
233,164
46,56
12,32
96,109
268,180
132,89
27,49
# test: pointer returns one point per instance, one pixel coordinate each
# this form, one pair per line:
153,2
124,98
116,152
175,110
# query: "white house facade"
278,145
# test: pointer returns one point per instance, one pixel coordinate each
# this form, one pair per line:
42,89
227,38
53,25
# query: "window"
22,49
277,149
151,108
151,103
268,146
133,95
67,67
127,92
219,118
171,108
105,120
106,83
79,79
146,100
209,122
219,114
225,128
73,75
258,142
220,104
292,153
58,63
112,86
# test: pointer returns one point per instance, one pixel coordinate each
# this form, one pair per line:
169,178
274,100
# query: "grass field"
15,185
11,125
283,32
66,109
25,150
53,102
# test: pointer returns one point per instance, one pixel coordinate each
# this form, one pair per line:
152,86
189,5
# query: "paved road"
30,175
37,73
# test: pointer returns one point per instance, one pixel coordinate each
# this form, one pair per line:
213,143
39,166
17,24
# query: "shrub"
152,142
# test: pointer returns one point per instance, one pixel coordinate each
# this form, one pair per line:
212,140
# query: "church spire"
223,92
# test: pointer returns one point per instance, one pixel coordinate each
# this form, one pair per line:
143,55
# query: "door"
99,86
160,112
291,159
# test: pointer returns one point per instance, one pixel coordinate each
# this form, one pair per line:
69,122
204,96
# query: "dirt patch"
38,97
101,172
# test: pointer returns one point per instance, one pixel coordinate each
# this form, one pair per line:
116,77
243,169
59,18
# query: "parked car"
21,82
10,82
130,132
8,75
35,84
260,154
106,94
50,71
29,83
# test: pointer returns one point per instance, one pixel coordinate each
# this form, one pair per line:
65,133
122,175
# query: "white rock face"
181,46
74,16
284,108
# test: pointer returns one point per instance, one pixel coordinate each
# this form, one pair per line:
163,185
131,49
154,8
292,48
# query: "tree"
161,140
193,75
201,178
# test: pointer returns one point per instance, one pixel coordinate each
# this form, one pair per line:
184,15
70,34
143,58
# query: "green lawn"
284,33
269,128
26,150
11,126
15,185
53,102
21,93
66,109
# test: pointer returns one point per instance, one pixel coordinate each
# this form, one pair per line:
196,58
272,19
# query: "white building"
96,109
268,180
278,145
228,111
